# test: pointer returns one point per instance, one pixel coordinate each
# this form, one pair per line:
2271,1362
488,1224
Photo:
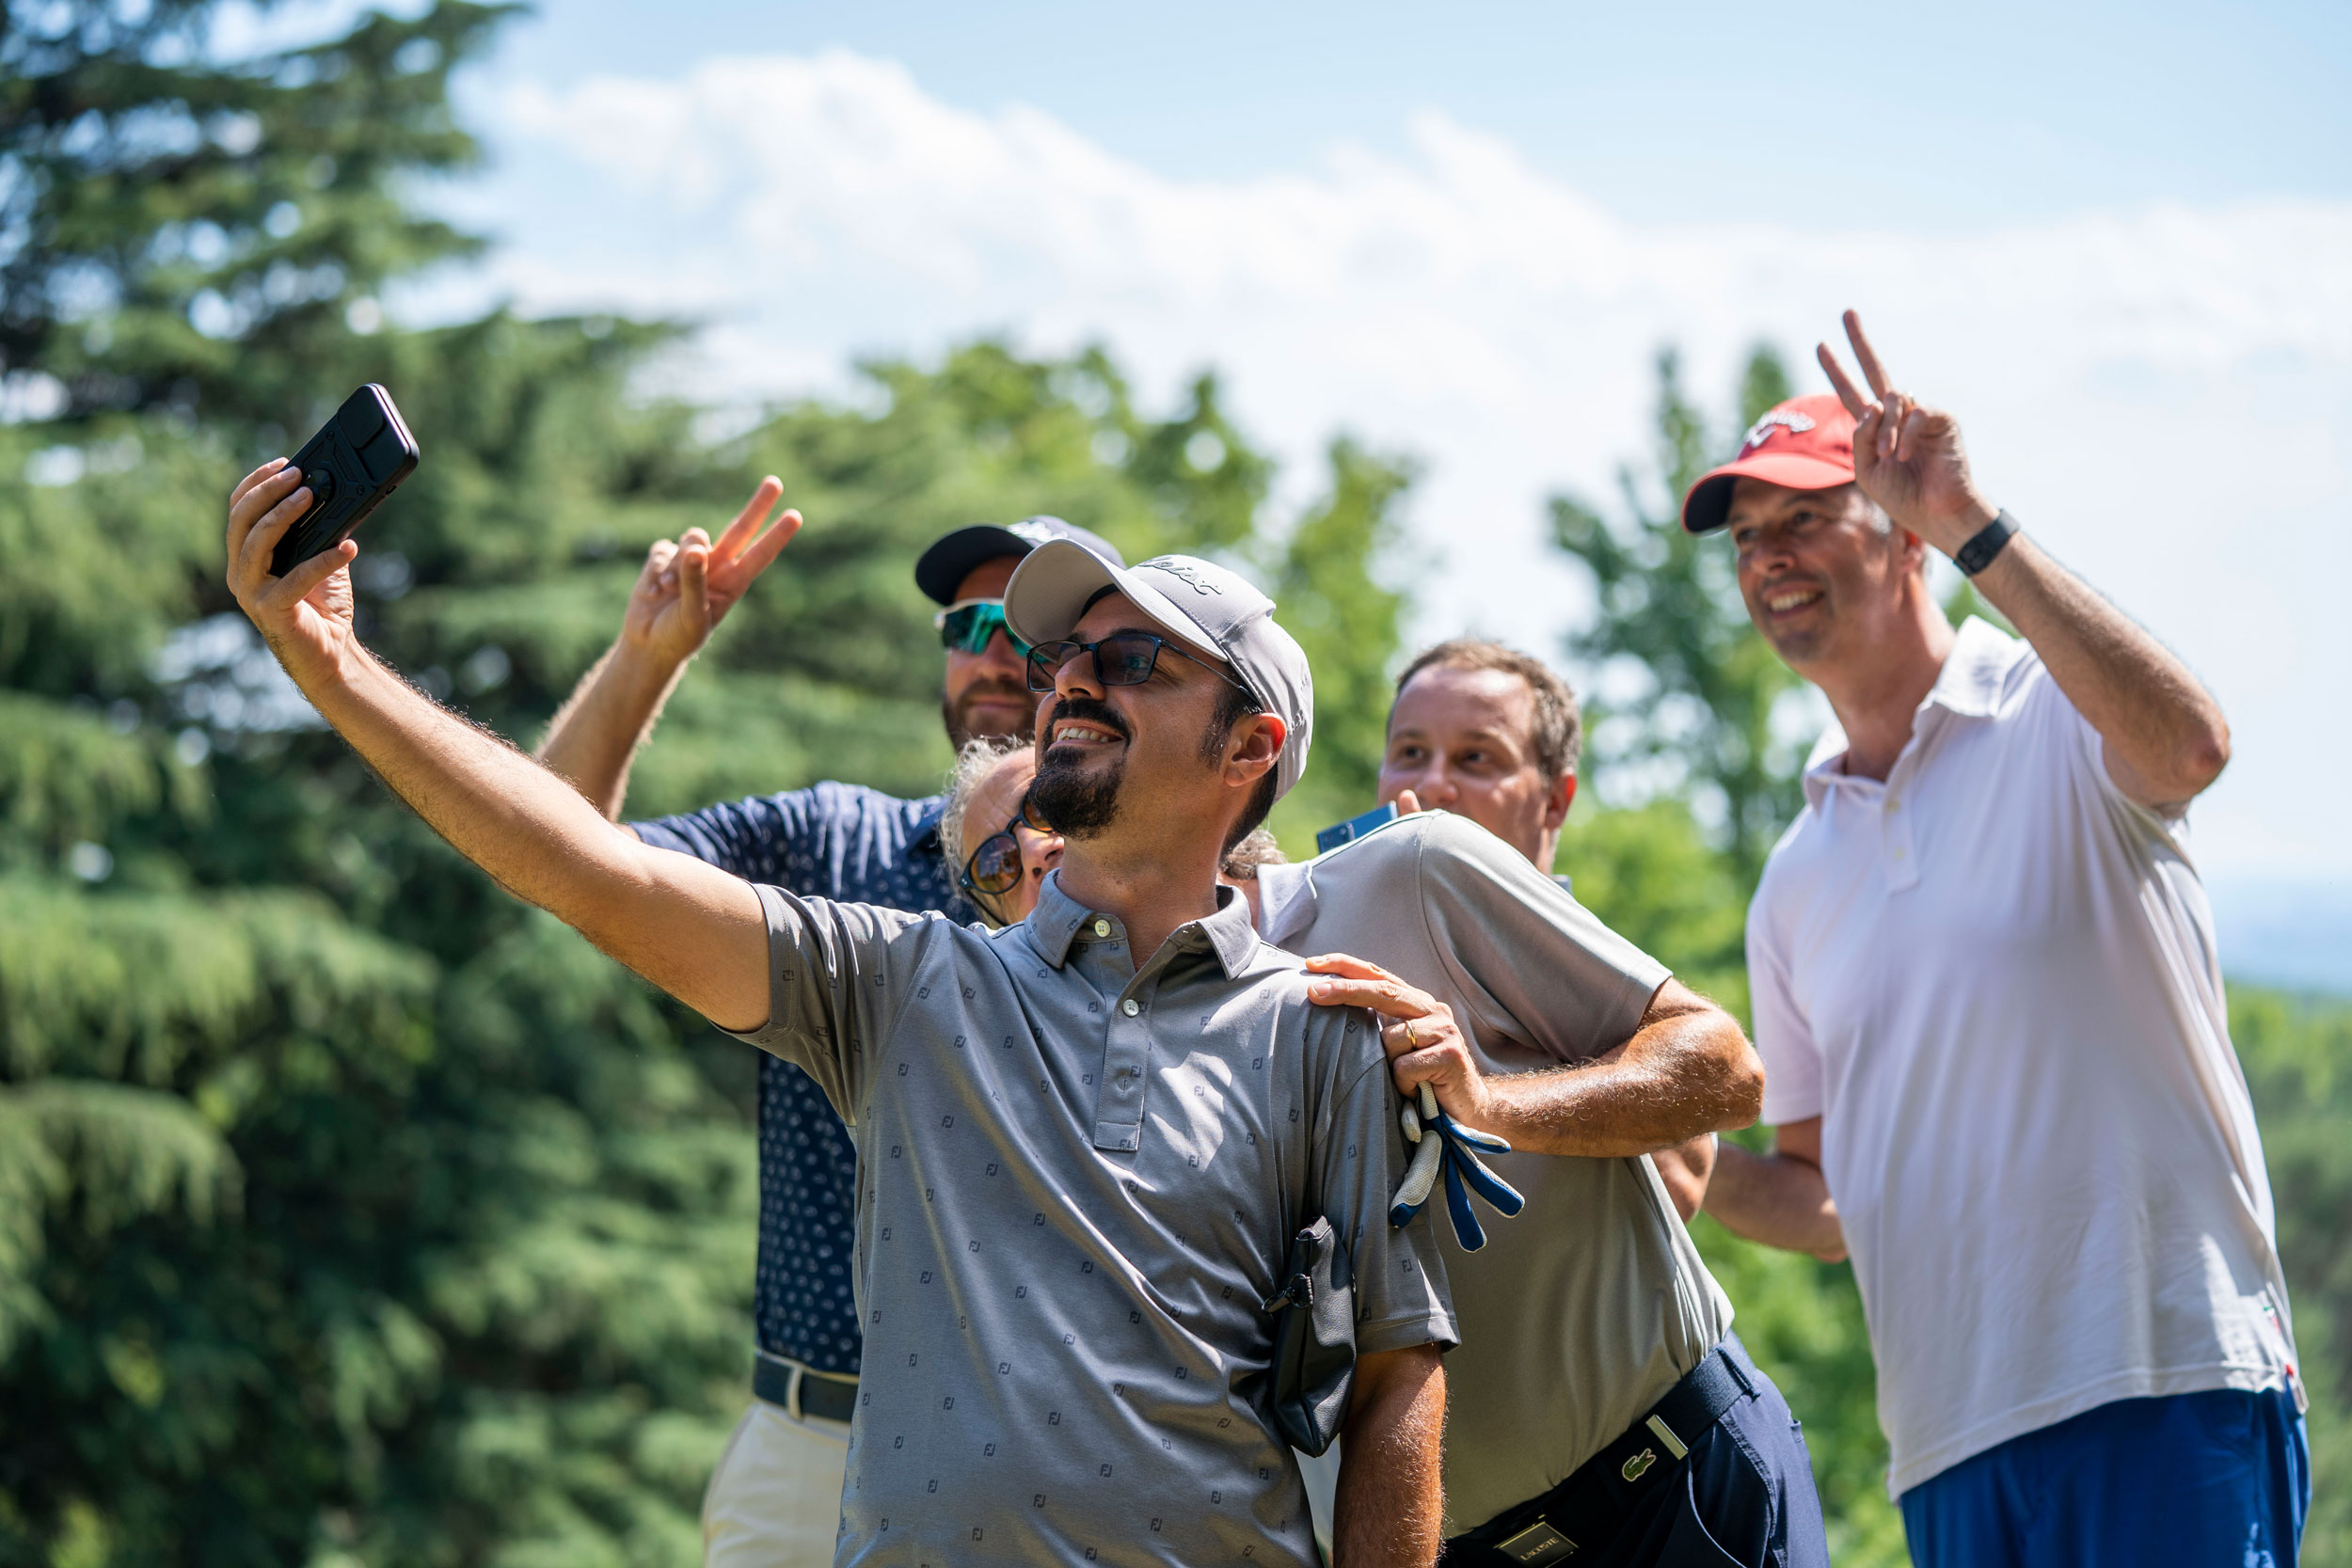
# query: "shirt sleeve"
1793,1058
2062,731
1400,1295
747,838
836,974
1543,967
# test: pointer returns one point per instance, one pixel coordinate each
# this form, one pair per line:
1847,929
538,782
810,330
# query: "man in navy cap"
775,1498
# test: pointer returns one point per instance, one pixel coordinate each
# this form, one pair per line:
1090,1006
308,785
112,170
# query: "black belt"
830,1394
1582,1510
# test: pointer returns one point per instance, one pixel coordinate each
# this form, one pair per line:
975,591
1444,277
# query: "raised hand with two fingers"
1907,456
688,584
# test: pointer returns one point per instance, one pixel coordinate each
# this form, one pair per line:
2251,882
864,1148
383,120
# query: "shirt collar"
1053,925
1286,900
1968,686
924,833
1975,670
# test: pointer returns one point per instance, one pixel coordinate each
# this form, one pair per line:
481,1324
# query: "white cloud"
2164,395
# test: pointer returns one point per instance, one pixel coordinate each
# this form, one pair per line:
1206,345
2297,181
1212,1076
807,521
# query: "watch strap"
1985,545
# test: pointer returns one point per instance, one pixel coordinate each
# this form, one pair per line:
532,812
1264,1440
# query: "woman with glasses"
1001,858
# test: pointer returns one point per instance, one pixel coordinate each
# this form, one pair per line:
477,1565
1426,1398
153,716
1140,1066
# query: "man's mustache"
1086,710
996,686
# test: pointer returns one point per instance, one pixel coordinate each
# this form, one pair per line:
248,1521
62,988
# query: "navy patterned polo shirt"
855,844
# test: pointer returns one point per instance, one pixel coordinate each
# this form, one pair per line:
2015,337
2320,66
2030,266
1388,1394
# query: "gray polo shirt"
1579,1313
1076,1181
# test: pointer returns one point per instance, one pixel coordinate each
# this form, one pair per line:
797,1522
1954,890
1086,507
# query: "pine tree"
1700,724
350,1211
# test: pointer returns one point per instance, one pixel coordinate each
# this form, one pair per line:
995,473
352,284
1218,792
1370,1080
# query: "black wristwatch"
1984,544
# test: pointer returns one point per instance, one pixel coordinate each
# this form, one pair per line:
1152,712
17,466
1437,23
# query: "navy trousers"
1742,1496
2214,1480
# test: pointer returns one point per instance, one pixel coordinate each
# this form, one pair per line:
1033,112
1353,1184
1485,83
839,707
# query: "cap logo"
1035,533
1183,571
1761,431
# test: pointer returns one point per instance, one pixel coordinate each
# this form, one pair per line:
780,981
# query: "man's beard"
1066,798
956,712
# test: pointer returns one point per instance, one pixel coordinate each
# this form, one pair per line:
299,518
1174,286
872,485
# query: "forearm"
596,734
1388,1506
1685,1169
1778,1199
1687,1071
2166,736
687,928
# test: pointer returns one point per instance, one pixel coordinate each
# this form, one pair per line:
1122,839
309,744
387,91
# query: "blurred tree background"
351,1214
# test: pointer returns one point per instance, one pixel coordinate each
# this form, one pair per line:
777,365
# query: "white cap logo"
1034,531
1183,571
1761,431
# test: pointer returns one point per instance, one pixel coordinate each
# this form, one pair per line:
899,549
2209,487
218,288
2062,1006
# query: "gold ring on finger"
1410,1043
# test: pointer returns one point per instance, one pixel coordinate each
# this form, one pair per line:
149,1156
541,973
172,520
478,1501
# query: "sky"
2115,241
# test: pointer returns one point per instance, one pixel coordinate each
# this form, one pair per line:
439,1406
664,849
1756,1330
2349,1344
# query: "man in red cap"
1996,1057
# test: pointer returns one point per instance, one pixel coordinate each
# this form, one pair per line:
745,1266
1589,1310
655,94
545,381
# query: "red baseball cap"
1806,444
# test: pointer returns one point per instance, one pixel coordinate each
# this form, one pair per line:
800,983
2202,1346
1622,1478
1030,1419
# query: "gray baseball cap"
1210,610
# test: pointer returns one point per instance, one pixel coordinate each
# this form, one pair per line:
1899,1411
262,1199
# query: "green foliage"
1700,721
348,1210
2297,1056
1327,581
176,233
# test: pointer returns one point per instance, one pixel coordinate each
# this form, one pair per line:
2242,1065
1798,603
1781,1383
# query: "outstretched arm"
694,931
1781,1198
1387,1507
2164,736
685,590
1686,1070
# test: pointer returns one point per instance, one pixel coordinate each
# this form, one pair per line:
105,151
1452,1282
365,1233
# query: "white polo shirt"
1992,977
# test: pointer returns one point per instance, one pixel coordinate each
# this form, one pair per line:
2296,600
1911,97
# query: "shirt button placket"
1126,1053
1903,860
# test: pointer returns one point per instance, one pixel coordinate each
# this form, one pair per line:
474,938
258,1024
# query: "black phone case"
350,465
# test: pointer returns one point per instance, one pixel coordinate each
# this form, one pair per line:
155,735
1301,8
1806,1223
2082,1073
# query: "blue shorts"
2214,1480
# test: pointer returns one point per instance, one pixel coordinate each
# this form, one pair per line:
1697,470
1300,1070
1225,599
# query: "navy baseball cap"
951,559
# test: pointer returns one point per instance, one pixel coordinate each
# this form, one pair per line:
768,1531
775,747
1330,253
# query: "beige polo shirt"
1576,1315
1079,1176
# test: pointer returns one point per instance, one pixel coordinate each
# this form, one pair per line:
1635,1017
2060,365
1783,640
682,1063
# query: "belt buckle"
1538,1546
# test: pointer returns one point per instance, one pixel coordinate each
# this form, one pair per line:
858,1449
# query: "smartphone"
350,465
1353,829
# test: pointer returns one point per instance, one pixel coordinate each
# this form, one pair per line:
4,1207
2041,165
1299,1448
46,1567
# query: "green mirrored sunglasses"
968,623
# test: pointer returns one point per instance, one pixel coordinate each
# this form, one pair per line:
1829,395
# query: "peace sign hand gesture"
1907,457
688,587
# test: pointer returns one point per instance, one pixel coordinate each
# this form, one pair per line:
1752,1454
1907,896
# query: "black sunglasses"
994,867
1122,659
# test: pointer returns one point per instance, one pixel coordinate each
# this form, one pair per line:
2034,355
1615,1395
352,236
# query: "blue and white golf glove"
1455,1148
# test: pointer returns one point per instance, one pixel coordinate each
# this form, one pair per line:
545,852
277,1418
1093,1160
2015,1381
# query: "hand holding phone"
350,466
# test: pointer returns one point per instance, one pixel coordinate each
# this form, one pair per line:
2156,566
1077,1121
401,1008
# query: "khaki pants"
1322,1476
775,1500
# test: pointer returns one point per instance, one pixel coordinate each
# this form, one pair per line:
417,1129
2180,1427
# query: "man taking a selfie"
1078,1170
774,1500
